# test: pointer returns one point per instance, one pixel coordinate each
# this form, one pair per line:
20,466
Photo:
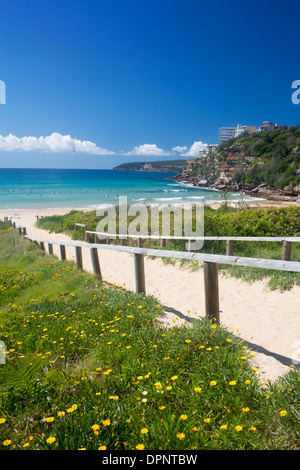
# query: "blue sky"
91,84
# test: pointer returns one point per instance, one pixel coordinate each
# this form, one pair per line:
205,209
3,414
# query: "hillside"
265,164
164,166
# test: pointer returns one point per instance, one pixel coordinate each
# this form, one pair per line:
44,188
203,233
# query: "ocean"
64,188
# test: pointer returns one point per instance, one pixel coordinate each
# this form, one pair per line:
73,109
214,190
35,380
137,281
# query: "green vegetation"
91,367
276,157
164,166
225,221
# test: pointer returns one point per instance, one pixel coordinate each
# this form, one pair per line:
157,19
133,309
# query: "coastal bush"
91,367
277,157
224,221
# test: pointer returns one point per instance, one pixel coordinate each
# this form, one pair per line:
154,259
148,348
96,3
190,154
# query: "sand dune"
268,321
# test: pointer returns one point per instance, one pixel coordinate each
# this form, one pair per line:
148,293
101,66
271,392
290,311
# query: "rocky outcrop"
218,172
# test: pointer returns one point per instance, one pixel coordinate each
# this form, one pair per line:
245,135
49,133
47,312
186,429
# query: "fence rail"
286,241
210,264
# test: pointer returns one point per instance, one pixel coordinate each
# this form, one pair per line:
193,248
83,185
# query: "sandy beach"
268,321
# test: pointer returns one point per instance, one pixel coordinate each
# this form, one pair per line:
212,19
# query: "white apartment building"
226,133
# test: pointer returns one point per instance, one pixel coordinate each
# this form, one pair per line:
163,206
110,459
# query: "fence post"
139,269
211,289
62,252
286,251
163,242
78,252
229,247
95,261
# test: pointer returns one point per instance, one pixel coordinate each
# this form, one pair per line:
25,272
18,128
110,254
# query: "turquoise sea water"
42,188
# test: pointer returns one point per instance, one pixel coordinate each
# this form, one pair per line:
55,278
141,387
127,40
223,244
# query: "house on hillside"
269,126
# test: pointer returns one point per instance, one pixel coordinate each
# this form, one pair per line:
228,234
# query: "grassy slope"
90,367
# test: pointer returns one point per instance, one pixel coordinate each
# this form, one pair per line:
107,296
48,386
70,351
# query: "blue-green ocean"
65,188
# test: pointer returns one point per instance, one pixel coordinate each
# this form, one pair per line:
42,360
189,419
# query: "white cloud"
179,149
56,143
194,150
148,150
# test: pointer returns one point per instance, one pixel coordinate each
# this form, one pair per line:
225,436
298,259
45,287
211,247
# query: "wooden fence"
210,262
286,241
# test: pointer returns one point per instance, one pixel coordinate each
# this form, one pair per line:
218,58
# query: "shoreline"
262,192
253,202
265,320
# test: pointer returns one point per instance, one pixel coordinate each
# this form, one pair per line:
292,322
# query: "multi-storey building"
226,133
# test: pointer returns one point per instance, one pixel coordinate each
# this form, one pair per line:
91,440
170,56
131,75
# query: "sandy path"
268,321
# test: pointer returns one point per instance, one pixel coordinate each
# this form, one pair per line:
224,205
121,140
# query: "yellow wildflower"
106,422
140,447
50,419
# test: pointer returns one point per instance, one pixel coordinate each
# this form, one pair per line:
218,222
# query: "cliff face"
215,171
219,171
